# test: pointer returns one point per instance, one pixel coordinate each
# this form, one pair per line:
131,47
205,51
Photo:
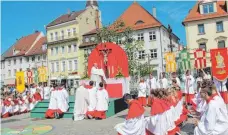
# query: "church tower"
92,3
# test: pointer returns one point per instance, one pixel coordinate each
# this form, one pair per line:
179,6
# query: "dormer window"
139,22
208,8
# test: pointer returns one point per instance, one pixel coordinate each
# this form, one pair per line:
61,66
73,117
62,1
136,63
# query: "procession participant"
142,92
6,111
32,89
215,119
189,87
53,104
174,76
35,99
40,86
151,85
97,75
15,106
46,91
81,102
163,82
134,123
102,102
221,89
92,100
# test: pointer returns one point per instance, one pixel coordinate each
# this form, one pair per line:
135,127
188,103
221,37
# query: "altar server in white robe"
162,82
32,89
92,100
81,102
134,123
222,90
102,102
215,119
41,88
151,83
174,76
189,87
62,99
142,89
46,91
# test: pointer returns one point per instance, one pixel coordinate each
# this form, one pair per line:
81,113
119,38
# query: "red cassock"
142,100
6,103
37,97
100,114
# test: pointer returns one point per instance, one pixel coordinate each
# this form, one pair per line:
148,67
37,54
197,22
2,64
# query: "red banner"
200,59
219,62
29,77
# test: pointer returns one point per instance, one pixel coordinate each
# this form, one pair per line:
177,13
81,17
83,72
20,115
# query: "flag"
200,59
29,77
20,81
35,72
184,62
42,74
170,62
219,62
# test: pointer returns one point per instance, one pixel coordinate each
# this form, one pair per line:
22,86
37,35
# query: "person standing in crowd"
102,102
142,89
163,82
46,91
189,87
174,76
41,88
81,102
151,85
92,100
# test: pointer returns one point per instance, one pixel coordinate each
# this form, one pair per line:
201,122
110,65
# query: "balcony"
63,38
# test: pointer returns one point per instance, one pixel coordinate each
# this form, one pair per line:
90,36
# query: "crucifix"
105,52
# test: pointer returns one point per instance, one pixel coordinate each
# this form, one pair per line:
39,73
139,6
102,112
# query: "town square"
114,67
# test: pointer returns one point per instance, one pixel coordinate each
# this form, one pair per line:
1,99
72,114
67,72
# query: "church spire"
91,3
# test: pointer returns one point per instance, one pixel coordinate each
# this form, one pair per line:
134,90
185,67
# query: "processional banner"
29,77
170,62
219,62
200,59
20,81
35,72
42,74
184,60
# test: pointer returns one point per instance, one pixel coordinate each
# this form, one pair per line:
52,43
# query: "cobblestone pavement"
84,127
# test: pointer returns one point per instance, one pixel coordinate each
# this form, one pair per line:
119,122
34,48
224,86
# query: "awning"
73,77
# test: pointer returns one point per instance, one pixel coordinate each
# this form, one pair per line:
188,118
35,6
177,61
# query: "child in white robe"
142,91
92,100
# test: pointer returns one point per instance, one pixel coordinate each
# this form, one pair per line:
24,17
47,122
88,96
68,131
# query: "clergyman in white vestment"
96,75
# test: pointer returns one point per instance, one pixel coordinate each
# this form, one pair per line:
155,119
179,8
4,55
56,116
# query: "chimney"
154,12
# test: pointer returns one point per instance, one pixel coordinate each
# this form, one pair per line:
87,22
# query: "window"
56,50
14,61
219,26
62,33
70,65
63,49
152,35
74,31
27,59
56,35
52,51
15,71
38,58
63,66
69,48
69,32
44,57
221,44
201,29
20,60
75,48
87,40
52,68
208,8
9,62
51,34
75,65
141,55
57,66
140,37
203,46
33,58
9,73
153,53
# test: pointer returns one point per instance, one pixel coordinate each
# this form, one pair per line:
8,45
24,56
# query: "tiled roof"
94,31
195,15
37,48
87,44
137,18
22,45
66,18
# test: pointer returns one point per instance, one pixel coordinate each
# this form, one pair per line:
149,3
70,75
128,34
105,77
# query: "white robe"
81,103
152,83
221,87
142,89
134,126
96,75
163,83
53,105
33,91
102,100
215,119
62,100
46,92
189,84
92,99
41,91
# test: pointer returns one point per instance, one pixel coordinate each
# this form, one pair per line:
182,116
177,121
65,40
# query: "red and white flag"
200,59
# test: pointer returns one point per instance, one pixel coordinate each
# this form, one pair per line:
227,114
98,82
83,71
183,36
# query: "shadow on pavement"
122,116
8,121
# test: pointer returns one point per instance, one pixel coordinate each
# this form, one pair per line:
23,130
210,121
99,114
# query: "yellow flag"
170,62
20,81
42,74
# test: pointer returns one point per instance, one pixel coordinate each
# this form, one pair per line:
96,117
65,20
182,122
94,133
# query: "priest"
97,75
81,102
134,123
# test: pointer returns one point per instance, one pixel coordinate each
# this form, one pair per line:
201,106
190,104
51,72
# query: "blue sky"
23,18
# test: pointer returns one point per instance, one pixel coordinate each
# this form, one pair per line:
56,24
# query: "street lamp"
170,37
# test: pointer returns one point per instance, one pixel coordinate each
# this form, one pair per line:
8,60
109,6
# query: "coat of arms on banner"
170,60
200,59
219,63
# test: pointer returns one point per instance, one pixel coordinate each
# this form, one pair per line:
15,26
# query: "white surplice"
221,86
133,126
62,100
46,92
33,91
102,100
142,89
163,83
92,99
81,103
96,75
53,105
215,119
151,83
189,84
